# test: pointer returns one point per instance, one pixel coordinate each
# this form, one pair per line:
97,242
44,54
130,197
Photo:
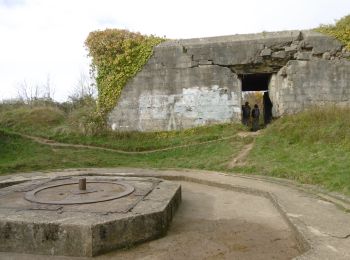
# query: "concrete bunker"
194,82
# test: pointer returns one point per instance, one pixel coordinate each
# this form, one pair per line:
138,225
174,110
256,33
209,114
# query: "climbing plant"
340,30
117,55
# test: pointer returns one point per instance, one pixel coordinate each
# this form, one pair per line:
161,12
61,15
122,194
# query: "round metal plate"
67,193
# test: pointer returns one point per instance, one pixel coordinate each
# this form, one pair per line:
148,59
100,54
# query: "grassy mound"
31,119
79,126
311,147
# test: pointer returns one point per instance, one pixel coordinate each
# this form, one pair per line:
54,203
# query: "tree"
32,93
84,92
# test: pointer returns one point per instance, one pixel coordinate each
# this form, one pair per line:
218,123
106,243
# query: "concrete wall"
178,98
187,83
301,84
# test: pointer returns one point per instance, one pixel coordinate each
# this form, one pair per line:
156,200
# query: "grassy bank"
311,147
54,123
18,154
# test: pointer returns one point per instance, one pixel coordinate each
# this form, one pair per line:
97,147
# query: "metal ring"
30,196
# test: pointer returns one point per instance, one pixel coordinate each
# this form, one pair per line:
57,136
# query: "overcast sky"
45,38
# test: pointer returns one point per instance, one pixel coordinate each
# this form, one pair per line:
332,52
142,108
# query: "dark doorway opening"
257,86
255,82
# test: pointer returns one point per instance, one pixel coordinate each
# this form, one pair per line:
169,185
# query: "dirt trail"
239,160
45,141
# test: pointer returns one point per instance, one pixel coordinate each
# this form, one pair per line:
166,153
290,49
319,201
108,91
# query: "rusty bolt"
82,184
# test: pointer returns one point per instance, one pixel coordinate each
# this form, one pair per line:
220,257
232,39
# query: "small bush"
87,121
340,30
26,117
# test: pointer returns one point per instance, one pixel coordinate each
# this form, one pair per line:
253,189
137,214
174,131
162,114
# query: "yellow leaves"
117,55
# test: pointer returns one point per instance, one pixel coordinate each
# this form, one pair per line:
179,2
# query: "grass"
53,124
312,147
20,155
136,141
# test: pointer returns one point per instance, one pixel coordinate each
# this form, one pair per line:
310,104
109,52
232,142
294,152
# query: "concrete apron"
320,227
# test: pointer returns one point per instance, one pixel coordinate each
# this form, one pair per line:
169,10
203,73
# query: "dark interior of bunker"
259,82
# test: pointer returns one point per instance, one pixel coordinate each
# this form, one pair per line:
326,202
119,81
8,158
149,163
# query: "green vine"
341,30
117,55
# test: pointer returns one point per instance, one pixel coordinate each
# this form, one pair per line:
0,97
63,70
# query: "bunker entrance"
255,90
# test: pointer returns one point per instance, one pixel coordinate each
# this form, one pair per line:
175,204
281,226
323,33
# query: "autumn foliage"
117,55
341,30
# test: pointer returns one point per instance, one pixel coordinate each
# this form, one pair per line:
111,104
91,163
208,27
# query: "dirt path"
45,141
246,134
239,160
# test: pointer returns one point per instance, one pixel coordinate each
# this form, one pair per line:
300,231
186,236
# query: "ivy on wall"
340,30
117,55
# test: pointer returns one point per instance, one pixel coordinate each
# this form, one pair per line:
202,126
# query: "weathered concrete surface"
214,223
187,83
320,227
301,84
218,224
178,98
85,229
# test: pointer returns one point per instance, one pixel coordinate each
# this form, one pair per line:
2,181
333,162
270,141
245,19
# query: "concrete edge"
303,245
340,200
162,217
306,244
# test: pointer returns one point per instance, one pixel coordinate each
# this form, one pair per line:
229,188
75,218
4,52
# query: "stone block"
205,62
266,52
326,56
279,55
291,48
321,43
311,82
303,55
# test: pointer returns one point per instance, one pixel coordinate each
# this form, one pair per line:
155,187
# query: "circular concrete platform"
55,217
226,216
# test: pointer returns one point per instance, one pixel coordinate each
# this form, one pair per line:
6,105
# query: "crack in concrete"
318,232
338,237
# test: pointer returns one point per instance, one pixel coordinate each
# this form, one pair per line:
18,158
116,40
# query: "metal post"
82,184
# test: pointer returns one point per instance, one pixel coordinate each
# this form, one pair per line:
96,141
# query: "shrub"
340,30
26,117
86,120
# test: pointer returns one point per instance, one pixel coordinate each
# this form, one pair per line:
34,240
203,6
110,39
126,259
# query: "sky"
43,40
